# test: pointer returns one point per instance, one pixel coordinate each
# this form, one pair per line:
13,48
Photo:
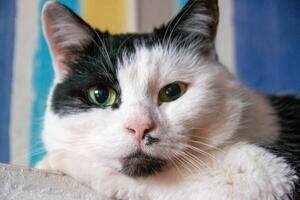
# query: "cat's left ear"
66,34
198,20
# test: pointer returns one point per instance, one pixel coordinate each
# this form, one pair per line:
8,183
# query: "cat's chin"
140,164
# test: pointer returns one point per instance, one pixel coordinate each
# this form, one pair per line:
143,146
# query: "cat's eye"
172,92
102,96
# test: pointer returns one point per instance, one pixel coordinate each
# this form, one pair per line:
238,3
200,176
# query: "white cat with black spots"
156,116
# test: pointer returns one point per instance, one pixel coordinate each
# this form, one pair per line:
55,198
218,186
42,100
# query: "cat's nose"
140,130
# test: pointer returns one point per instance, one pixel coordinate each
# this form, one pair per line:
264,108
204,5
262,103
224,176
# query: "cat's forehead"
144,58
159,63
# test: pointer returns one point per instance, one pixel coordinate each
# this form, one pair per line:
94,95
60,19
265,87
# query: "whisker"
217,161
105,49
195,161
184,164
207,145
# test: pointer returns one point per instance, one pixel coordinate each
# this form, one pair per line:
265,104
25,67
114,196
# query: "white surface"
225,38
18,183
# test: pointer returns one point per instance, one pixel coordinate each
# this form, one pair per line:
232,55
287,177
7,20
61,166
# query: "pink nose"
140,130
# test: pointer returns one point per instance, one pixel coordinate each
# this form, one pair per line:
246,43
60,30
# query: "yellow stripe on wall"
109,15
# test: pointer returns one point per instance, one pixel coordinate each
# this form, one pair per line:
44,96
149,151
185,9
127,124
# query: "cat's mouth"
140,164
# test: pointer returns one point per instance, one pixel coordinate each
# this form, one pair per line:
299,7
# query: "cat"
156,116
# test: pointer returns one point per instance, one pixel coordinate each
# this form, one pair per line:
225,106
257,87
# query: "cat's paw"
254,173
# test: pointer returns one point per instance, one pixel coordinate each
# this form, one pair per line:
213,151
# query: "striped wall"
25,64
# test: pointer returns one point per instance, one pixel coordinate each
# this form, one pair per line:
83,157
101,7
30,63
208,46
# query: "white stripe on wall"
132,16
153,13
22,94
225,37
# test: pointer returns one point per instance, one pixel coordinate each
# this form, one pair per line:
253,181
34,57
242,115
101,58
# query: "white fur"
200,134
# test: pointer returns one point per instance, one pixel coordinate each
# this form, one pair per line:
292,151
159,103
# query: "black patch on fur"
140,164
93,67
149,140
288,144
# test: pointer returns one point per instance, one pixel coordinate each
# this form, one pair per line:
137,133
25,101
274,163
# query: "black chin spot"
140,164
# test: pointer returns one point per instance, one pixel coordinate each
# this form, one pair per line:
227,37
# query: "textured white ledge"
17,183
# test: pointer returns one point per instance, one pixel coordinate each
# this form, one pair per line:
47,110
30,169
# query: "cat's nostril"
131,130
148,130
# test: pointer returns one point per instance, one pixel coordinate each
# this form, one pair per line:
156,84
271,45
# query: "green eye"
172,92
102,96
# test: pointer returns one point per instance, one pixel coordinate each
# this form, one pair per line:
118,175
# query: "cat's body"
155,116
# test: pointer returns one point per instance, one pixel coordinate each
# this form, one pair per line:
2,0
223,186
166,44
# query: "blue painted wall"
268,44
7,31
182,3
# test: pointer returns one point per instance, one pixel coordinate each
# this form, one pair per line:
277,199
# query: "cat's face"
137,102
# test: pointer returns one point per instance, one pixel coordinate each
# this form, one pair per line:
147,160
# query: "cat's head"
138,102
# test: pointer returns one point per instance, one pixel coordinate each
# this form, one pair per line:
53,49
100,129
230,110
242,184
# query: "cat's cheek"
111,143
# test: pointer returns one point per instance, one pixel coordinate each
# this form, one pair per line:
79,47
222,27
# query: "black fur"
140,164
149,140
288,144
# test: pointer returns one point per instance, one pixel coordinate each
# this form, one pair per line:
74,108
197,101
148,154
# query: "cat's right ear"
66,33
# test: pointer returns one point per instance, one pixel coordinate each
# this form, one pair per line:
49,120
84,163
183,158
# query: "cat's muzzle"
140,164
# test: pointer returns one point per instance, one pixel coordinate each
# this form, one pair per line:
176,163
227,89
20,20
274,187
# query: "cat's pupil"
173,91
101,95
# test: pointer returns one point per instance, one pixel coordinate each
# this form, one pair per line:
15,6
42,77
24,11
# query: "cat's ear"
66,33
197,20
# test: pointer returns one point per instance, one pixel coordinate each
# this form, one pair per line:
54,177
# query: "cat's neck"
259,122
